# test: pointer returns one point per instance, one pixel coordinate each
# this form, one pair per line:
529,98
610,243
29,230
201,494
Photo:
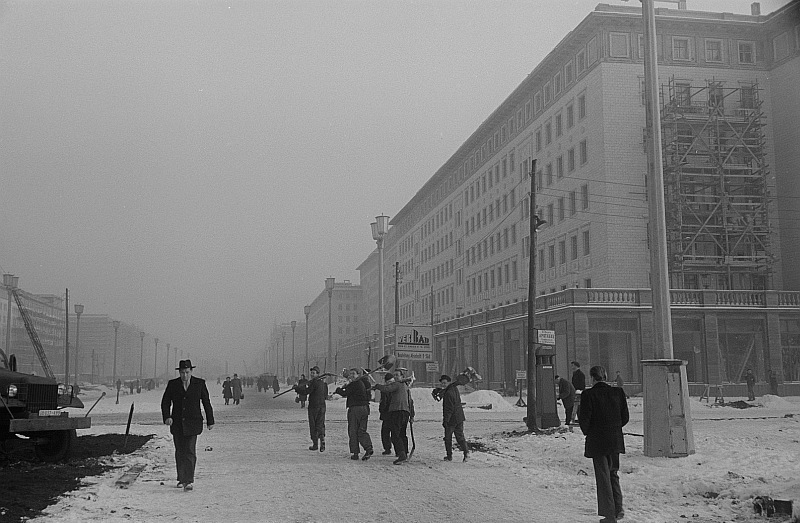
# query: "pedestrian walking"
566,393
399,414
750,378
357,414
301,398
452,417
578,377
275,385
227,392
604,411
317,391
236,386
180,410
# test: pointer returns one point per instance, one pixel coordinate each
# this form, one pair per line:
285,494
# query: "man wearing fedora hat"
184,395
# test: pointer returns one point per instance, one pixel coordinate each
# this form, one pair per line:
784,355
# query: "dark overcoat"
604,411
566,393
187,420
452,410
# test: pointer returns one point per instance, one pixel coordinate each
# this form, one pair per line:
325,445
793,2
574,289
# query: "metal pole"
155,362
330,328
397,293
381,327
294,324
307,309
283,356
114,378
66,342
531,359
78,312
141,361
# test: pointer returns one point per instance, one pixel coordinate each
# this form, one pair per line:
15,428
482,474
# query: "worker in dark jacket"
578,377
357,414
452,417
317,391
399,413
386,423
184,395
566,393
604,411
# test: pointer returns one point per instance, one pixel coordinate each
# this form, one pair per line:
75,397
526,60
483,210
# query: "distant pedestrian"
452,418
566,393
578,377
604,411
236,386
302,397
227,392
750,378
619,382
773,383
399,413
357,414
317,391
275,385
180,410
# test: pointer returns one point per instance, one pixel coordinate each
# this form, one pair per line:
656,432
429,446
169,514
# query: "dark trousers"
568,414
458,431
185,457
316,422
751,395
386,434
399,422
357,418
609,493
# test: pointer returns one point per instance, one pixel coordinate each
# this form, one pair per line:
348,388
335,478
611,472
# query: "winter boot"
322,444
466,455
354,457
401,459
314,446
367,455
448,447
449,457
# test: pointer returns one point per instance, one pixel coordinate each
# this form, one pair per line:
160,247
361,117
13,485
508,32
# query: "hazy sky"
199,168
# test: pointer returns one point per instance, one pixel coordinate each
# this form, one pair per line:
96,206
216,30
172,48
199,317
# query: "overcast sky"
199,168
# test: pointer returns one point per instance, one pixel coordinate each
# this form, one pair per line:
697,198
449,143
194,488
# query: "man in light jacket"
398,414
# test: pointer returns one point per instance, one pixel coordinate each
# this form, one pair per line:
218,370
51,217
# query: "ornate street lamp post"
380,228
307,310
114,378
329,284
141,362
294,324
155,363
78,312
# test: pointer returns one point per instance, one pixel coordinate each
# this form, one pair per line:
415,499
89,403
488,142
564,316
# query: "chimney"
755,8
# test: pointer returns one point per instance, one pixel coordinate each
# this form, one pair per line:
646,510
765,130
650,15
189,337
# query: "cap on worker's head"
315,369
389,376
185,364
445,377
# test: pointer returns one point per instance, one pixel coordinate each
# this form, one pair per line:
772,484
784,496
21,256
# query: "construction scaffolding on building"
716,192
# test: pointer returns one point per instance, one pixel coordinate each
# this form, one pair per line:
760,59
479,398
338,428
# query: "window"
569,73
570,116
584,152
581,107
680,48
747,52
556,84
591,51
541,260
537,103
560,167
619,45
585,196
562,252
559,125
572,202
780,46
586,245
548,133
715,96
538,140
549,173
683,95
571,159
551,255
548,92
747,97
580,61
511,162
713,50
550,214
573,251
640,39
561,210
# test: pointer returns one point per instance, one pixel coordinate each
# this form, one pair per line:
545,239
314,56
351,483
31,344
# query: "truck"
32,407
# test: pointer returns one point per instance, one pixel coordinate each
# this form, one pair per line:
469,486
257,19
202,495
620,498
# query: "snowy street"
255,466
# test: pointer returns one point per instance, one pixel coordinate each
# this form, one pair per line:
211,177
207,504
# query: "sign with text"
432,367
522,375
413,342
545,337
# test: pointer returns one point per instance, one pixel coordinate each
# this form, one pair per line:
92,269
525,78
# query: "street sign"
432,367
545,337
414,342
522,375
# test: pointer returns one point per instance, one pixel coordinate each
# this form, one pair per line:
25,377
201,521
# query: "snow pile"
482,398
775,402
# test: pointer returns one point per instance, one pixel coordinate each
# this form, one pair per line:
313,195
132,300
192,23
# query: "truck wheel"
56,445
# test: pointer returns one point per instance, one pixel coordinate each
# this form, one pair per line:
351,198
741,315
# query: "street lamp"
167,362
141,362
155,363
306,309
380,228
283,354
294,324
329,284
78,312
114,379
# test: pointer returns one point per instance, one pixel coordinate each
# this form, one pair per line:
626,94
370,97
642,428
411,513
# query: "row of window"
559,252
492,278
495,209
496,242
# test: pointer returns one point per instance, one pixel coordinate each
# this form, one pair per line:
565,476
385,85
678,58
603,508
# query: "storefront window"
741,347
614,344
687,345
790,348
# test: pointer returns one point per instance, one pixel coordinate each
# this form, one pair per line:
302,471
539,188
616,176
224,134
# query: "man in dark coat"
578,377
750,379
604,411
317,391
302,398
184,395
386,422
357,414
566,393
452,418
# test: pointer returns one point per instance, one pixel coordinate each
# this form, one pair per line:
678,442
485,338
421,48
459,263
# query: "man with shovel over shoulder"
398,414
452,416
317,391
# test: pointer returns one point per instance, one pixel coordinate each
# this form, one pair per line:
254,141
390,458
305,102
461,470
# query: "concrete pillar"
667,414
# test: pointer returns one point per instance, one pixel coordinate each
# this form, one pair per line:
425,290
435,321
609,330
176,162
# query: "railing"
613,296
741,298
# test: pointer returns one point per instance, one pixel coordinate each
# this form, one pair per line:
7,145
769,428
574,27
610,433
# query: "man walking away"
184,395
452,418
398,414
750,379
302,397
357,414
317,391
604,411
236,386
579,382
566,393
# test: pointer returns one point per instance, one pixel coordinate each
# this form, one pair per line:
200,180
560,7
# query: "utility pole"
397,293
66,344
535,222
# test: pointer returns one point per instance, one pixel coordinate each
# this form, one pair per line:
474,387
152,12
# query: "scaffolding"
716,193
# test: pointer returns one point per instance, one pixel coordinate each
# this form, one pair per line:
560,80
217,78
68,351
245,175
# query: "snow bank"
481,398
775,402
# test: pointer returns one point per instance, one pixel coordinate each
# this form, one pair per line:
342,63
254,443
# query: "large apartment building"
730,124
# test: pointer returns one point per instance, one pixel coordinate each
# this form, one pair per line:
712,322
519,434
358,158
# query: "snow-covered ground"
255,466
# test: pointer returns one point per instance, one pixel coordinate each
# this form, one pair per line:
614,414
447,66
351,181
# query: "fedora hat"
185,364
